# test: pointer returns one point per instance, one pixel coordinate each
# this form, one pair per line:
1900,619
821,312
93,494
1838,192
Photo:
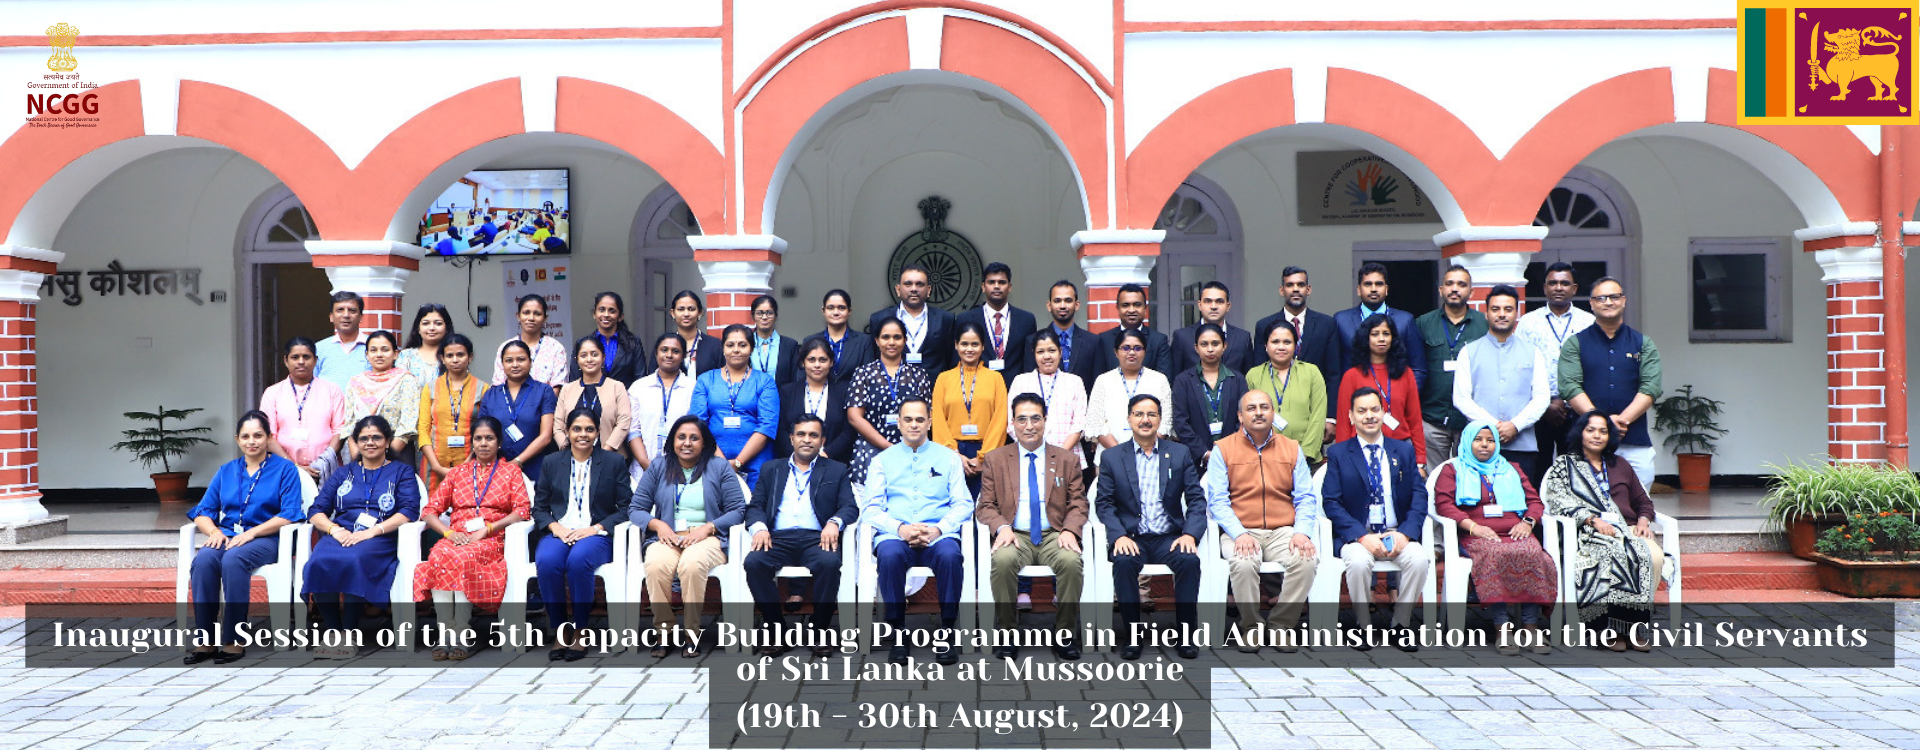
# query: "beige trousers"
1243,574
665,562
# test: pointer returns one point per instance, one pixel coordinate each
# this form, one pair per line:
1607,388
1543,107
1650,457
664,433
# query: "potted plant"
1806,498
158,444
1688,421
1867,555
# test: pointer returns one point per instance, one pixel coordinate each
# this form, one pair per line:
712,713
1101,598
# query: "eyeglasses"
369,439
1608,298
763,313
1135,349
1029,419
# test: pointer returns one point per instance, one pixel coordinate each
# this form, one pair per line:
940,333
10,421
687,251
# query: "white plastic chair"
867,589
400,594
1215,573
1459,568
522,571
1091,609
279,574
1104,599
1330,573
1669,530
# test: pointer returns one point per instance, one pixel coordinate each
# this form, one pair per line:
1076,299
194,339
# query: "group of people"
478,230
927,421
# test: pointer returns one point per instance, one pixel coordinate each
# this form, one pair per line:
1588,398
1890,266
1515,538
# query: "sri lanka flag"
1827,62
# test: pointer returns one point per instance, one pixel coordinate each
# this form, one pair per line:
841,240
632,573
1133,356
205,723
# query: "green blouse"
1300,396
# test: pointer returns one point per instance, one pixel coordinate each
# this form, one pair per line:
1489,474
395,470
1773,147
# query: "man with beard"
1504,381
1443,333
1319,341
1132,304
929,328
1547,329
1007,326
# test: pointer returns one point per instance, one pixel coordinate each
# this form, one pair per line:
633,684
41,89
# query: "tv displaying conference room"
500,212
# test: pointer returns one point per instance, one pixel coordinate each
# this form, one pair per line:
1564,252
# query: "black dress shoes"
1406,639
1069,651
229,657
900,653
946,654
1131,651
1186,651
1006,652
195,657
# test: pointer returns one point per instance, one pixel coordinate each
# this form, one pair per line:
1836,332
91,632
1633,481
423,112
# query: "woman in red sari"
486,495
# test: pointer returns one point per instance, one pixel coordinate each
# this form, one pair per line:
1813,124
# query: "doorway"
1202,245
287,295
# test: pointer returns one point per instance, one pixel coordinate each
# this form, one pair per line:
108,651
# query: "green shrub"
1817,488
1866,533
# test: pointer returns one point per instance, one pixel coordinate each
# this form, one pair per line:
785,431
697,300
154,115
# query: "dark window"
1584,273
1412,285
1730,292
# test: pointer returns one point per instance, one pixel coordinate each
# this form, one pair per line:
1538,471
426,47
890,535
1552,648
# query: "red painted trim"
651,133
1419,126
1490,246
840,19
1198,130
730,160
383,261
1120,248
735,255
357,37
1831,243
1121,183
12,263
1632,24
1591,118
35,155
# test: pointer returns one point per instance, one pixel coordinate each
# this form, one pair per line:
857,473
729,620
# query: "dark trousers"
1529,463
893,557
343,614
1157,549
566,576
226,575
794,547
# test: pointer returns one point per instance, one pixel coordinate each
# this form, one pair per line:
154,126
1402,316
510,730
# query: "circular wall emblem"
951,262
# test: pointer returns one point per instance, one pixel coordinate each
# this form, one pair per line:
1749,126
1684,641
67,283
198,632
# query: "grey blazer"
656,495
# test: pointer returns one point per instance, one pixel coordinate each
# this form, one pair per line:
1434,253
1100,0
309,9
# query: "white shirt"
578,491
1386,476
1548,332
655,408
1066,399
1005,316
1107,405
916,328
795,510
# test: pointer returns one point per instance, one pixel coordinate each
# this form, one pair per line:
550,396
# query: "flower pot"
1868,578
172,486
1696,471
1802,531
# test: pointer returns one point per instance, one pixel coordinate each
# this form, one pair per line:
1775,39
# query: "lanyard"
821,409
765,351
799,480
247,501
513,409
838,346
680,490
733,390
1600,476
458,398
1486,490
1213,391
590,392
360,473
1386,389
966,390
1453,340
666,397
1559,333
300,400
488,486
1044,395
913,335
893,385
1131,389
999,348
1280,394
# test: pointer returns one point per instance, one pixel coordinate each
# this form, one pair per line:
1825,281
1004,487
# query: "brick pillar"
737,268
1856,340
1494,255
22,269
1113,258
377,270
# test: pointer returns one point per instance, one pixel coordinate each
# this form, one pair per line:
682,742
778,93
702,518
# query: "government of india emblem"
61,37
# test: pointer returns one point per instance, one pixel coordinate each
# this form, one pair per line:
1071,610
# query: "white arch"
40,219
1817,204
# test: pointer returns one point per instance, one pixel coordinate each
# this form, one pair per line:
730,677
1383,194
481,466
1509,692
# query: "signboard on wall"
546,277
1357,187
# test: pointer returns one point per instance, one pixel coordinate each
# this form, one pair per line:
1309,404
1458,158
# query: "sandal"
440,653
457,654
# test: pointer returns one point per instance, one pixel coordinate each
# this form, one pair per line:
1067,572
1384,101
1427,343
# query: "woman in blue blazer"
686,507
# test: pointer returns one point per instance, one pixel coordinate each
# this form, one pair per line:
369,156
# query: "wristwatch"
1530,520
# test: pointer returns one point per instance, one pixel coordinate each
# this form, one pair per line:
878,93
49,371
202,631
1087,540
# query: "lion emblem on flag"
1847,65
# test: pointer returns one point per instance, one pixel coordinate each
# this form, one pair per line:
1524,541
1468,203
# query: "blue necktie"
1374,497
1035,521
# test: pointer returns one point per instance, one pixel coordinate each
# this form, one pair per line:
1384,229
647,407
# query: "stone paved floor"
509,707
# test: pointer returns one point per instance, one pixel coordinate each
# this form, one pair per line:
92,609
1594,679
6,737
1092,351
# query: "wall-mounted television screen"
500,212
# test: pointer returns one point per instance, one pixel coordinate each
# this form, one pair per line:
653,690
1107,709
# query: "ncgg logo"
61,37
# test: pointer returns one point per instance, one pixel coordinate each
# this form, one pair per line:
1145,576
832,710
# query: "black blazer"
856,349
629,363
608,504
1190,406
1159,352
1088,361
1320,346
1117,495
1344,491
838,434
1239,356
827,486
936,355
708,356
786,364
1020,326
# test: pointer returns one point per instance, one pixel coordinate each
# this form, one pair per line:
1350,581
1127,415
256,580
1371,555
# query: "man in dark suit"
1377,501
1131,303
1035,507
1372,291
1213,305
1007,326
1320,342
1150,501
798,510
851,348
929,328
1079,349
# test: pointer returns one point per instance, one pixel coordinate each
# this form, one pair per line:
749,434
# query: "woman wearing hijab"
1497,510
